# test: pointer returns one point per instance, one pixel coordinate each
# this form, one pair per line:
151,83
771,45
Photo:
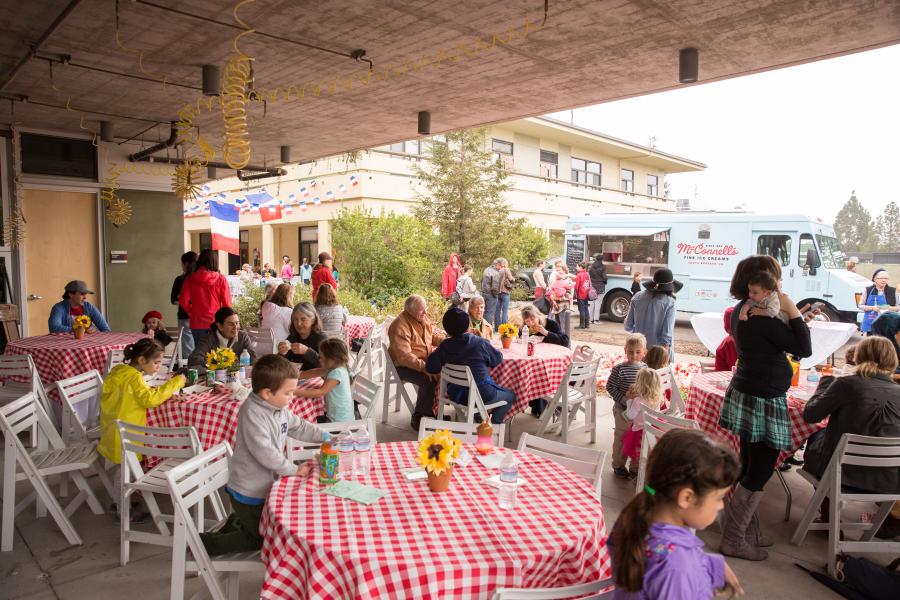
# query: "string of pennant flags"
267,206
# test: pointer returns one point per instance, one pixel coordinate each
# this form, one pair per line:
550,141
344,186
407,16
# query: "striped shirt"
620,379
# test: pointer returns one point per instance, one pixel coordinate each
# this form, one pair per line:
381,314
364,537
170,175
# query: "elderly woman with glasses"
879,298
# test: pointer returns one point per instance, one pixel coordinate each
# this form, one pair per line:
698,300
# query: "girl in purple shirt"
655,554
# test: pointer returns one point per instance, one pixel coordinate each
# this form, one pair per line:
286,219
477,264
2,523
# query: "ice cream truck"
703,248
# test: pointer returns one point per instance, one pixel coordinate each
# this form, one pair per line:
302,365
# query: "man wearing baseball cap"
74,304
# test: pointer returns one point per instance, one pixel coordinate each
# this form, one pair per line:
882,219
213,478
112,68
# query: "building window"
627,181
205,241
653,185
428,144
503,152
236,262
585,171
398,147
549,164
309,244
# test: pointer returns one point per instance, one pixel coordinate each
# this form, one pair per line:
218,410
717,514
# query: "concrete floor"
43,566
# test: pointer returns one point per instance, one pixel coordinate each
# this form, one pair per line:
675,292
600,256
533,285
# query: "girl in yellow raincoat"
126,396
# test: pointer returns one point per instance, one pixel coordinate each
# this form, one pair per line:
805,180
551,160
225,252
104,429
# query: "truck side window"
808,257
777,246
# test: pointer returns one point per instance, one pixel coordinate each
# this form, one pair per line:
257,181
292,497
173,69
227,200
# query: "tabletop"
60,356
705,400
530,377
214,413
358,327
417,544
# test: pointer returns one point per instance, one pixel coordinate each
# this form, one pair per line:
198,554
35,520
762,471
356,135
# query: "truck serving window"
777,246
830,252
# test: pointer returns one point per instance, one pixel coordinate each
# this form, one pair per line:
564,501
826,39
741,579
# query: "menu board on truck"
574,251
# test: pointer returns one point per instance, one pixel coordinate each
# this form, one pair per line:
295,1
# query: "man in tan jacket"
412,338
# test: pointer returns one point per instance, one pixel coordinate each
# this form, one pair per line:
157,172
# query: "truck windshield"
830,249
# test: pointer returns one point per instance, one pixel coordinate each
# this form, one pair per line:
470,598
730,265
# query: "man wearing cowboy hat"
652,311
74,304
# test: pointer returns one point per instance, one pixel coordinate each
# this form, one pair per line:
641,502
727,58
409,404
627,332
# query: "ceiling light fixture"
106,131
210,172
285,154
688,65
424,122
212,80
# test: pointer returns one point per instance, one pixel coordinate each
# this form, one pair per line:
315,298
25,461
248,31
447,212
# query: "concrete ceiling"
587,52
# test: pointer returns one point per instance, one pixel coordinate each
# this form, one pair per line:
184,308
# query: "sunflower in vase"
220,359
508,332
437,453
80,325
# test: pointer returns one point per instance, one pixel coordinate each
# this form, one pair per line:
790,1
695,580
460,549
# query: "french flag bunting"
260,198
303,205
329,195
270,211
342,188
223,224
304,192
353,180
313,183
317,201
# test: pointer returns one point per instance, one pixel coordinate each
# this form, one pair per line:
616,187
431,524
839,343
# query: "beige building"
558,170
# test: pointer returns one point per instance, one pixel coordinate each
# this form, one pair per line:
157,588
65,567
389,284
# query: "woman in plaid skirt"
755,406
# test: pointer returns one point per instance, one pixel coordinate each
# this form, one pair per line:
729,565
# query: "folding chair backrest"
22,366
584,591
582,376
369,360
656,424
587,462
466,432
115,357
461,375
189,484
27,414
866,451
158,442
367,393
172,352
80,396
263,338
298,450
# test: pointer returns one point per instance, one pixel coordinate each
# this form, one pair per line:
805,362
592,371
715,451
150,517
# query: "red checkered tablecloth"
705,400
358,327
60,356
530,377
417,544
684,371
214,414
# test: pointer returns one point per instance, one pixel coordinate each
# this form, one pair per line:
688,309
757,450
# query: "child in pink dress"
646,392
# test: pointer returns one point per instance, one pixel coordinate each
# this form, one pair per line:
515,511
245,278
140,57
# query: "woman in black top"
549,330
598,282
755,406
184,320
302,345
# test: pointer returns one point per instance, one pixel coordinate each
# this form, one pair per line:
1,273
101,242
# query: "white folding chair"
587,462
80,396
576,392
298,450
369,361
172,352
462,376
656,424
583,354
366,394
584,591
466,432
189,484
394,387
671,391
853,451
22,366
49,456
173,445
263,338
115,357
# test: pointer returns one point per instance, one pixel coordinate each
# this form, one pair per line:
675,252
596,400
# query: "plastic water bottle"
812,381
245,359
525,335
345,447
509,473
362,445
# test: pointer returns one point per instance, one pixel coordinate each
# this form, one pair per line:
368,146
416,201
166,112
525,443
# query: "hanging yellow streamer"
235,84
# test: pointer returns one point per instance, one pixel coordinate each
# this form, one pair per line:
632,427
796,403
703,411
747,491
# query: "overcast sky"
797,138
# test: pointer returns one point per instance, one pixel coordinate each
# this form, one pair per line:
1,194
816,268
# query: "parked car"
525,277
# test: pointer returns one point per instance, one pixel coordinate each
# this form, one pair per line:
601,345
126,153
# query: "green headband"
649,490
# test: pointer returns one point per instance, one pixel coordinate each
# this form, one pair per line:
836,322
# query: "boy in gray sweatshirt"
264,424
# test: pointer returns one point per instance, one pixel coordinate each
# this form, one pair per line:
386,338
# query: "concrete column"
268,245
324,236
187,241
223,261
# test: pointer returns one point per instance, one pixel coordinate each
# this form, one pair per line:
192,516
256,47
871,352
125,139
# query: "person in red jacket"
583,294
203,293
321,273
726,353
451,275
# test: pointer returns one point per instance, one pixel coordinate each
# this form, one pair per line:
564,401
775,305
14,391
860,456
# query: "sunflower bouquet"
81,322
438,451
220,358
508,330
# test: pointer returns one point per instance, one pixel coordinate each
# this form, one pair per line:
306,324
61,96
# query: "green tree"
526,244
852,225
461,195
384,256
886,230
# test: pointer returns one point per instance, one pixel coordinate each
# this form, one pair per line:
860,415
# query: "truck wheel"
830,315
617,306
